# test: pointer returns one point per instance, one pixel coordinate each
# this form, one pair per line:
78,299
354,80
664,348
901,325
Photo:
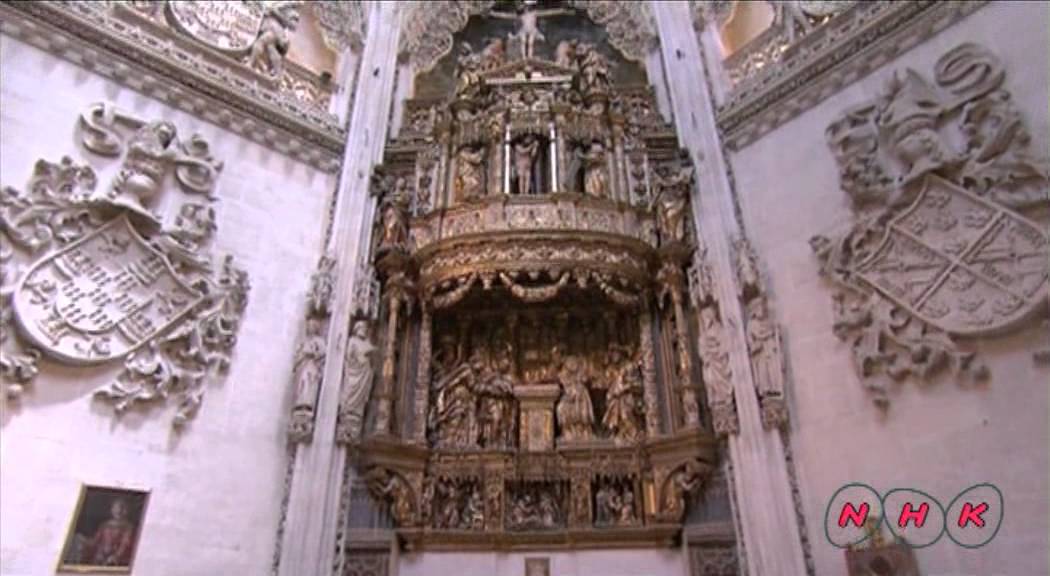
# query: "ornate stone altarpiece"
943,250
93,276
538,382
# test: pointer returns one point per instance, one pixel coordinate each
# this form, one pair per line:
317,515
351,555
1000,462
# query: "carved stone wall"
268,215
871,345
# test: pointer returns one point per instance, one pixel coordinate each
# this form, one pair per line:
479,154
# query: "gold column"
389,373
423,376
652,404
690,408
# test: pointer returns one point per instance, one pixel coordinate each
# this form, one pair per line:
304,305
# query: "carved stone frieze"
98,277
142,51
848,46
940,247
343,24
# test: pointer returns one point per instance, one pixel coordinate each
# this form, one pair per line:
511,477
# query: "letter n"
850,513
917,516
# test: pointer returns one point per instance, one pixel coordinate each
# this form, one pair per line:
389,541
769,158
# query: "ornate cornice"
848,47
178,71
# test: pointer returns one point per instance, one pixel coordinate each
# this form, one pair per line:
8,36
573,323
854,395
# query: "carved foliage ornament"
940,176
93,276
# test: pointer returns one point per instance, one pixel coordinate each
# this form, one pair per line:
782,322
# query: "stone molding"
176,70
830,58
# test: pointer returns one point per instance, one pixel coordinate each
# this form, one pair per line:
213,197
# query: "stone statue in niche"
271,45
717,375
595,177
470,174
496,417
671,200
309,372
358,373
623,403
763,341
395,215
575,411
525,152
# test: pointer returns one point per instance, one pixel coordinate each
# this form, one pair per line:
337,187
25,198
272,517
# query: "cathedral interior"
524,288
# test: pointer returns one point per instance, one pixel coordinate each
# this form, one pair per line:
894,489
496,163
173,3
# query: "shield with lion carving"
101,297
959,262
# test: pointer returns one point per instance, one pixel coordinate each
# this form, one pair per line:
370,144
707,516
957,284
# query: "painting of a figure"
104,532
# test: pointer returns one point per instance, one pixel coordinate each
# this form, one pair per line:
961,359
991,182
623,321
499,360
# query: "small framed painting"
104,532
537,567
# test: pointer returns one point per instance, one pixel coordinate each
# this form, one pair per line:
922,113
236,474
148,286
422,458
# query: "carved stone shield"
100,297
959,262
224,25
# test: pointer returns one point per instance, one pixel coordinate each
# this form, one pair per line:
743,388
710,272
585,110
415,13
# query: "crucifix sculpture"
528,30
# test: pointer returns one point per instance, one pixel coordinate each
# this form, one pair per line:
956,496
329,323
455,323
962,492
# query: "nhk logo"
915,518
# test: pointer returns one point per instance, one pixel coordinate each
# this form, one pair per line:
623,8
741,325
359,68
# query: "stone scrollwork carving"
343,24
92,277
941,247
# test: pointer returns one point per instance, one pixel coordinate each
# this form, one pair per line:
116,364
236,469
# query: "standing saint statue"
595,180
763,342
470,170
672,193
622,402
309,364
524,156
357,381
575,412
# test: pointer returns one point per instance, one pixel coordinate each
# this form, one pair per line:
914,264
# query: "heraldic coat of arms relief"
944,247
100,274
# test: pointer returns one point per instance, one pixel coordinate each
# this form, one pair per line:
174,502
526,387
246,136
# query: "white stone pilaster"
767,516
308,543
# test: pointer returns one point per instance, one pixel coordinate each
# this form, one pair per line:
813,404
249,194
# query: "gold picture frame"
104,531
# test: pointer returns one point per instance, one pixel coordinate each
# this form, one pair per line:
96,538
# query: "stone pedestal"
536,416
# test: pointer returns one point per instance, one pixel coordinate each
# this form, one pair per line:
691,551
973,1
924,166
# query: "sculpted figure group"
474,406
